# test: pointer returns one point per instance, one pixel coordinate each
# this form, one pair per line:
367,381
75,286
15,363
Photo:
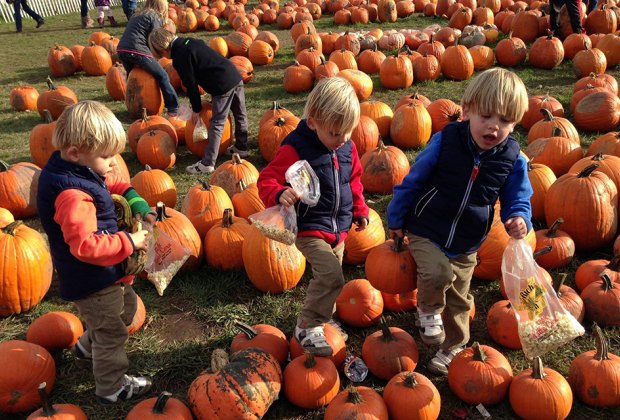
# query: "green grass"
197,311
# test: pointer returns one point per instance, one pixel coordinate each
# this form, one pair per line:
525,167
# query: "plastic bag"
302,178
278,223
165,257
201,132
184,113
543,323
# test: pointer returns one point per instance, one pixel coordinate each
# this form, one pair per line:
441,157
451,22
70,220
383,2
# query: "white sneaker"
313,340
233,149
431,328
442,359
199,168
132,386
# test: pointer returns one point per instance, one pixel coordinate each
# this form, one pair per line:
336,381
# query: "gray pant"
233,100
327,281
106,314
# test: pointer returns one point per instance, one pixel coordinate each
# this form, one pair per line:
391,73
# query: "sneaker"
431,328
442,359
313,340
132,386
338,326
80,352
40,22
199,168
233,149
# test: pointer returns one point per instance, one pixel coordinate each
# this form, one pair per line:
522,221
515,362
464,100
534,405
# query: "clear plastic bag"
543,324
165,257
277,222
304,181
201,132
185,112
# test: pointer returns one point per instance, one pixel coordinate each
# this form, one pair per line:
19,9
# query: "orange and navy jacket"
339,173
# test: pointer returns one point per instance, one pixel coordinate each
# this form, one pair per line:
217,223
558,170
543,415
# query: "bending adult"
133,49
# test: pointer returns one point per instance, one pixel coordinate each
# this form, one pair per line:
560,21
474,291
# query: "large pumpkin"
358,243
359,304
384,167
25,268
146,123
247,201
55,99
229,174
390,267
51,411
204,205
41,146
142,92
311,382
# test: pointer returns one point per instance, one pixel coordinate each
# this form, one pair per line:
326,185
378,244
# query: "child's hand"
361,223
289,197
150,218
396,233
139,239
516,227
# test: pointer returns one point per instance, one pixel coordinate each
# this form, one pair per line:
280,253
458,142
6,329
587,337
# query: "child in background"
323,139
445,205
198,66
75,204
102,7
133,49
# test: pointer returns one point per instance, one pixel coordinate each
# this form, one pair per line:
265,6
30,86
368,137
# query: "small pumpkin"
311,382
357,402
55,330
412,395
359,304
55,411
23,98
223,242
390,267
155,185
161,407
262,336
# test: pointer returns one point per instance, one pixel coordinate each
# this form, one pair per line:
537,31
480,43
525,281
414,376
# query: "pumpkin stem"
557,284
12,227
50,84
160,403
145,116
309,363
398,244
47,116
588,170
245,328
552,232
538,370
547,115
410,380
147,167
205,185
48,409
598,157
160,209
354,397
479,353
4,166
602,346
219,359
614,264
381,146
236,159
275,106
607,283
542,251
385,331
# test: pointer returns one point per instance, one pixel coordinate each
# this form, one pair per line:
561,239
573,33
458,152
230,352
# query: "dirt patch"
178,328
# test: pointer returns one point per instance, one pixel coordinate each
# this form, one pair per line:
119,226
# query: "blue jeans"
152,66
17,6
83,8
129,7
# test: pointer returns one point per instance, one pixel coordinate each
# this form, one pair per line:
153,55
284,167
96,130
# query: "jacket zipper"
470,183
337,189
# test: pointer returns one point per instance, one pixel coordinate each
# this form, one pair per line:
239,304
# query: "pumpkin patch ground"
176,336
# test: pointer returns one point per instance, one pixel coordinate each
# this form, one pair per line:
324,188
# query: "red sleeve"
76,214
360,209
271,180
116,185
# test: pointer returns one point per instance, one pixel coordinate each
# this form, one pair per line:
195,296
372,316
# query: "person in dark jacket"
77,212
445,205
573,7
199,66
133,49
17,14
323,139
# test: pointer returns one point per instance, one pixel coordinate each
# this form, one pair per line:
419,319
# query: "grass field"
196,313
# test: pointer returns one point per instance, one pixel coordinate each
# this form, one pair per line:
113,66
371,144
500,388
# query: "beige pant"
443,288
106,315
327,281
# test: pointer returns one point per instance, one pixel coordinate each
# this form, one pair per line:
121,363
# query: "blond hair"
91,127
498,91
334,105
158,6
160,40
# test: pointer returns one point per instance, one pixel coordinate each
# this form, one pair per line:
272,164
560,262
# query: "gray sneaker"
199,168
441,361
233,149
132,386
313,340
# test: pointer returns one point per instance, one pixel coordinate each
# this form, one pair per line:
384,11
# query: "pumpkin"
593,223
443,111
61,61
138,318
562,246
524,25
592,270
411,395
396,72
541,177
426,68
602,301
599,111
610,45
23,98
457,63
55,411
204,205
357,403
502,325
535,104
609,165
326,69
607,144
369,61
483,57
41,147
244,388
247,201
223,242
359,304
546,128
155,185
594,376
365,135
270,38
162,407
142,92
281,266
98,37
23,366
311,382
230,173
547,52
115,82
601,21
55,99
390,267
360,81
434,48
603,80
510,52
400,302
96,60
5,217
55,330
556,152
146,123
387,11
298,78
540,390
411,126
389,351
262,336
383,167
589,60
480,375
260,53
381,113
157,148
335,340
358,243
569,298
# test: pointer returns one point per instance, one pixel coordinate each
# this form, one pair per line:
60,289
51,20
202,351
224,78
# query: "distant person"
129,7
573,7
17,13
591,6
103,6
87,22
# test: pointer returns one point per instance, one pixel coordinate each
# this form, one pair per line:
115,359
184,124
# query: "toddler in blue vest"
77,211
445,205
323,139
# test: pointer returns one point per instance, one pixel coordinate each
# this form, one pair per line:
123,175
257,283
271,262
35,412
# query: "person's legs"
554,16
152,66
127,60
573,7
17,14
129,8
87,22
220,107
37,18
241,117
101,15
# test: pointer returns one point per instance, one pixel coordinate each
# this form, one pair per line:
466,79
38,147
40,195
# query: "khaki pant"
443,288
106,315
327,281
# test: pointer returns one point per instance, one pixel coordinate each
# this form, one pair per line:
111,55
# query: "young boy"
323,139
445,205
199,65
78,214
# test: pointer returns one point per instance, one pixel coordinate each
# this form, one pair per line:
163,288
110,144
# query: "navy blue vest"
334,211
455,208
77,279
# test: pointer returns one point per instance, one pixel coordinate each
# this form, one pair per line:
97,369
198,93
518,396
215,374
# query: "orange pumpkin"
204,205
389,351
223,242
383,167
142,93
155,185
23,98
230,173
55,330
359,304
